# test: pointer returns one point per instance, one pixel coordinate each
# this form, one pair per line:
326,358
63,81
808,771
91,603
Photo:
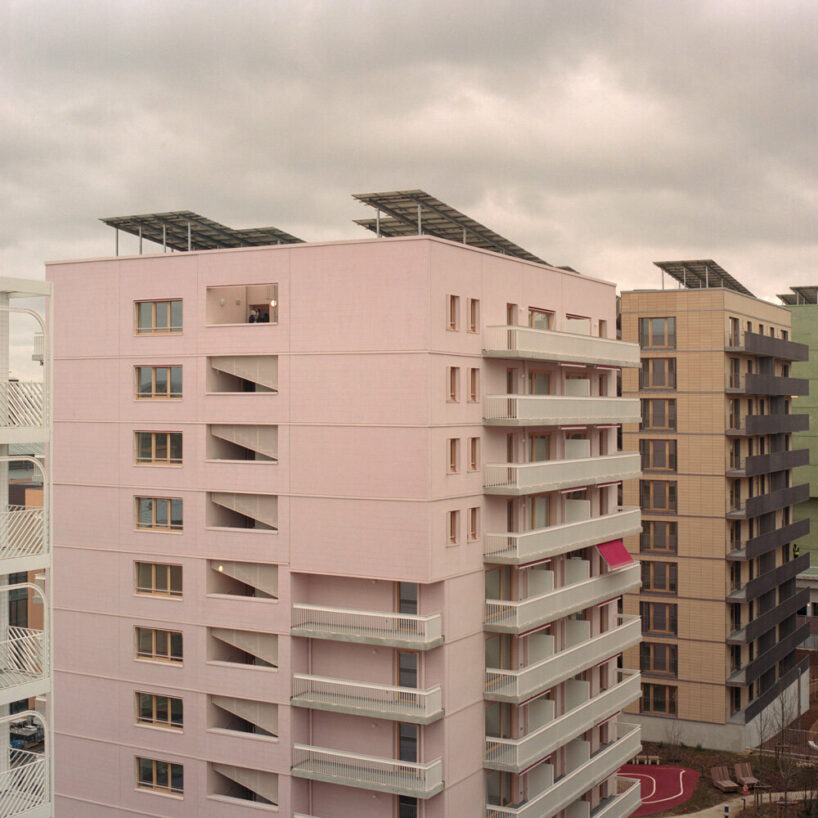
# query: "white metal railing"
541,543
345,624
543,344
550,475
560,409
366,697
563,791
368,772
518,615
22,404
515,685
515,754
22,532
22,657
23,783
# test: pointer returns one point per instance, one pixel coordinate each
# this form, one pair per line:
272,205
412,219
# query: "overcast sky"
602,135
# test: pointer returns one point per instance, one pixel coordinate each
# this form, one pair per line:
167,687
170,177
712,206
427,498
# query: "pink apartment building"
359,560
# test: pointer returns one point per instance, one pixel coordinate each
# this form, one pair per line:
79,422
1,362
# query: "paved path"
736,803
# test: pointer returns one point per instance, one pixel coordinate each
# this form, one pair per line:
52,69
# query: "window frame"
473,533
154,589
453,451
169,513
650,570
453,527
647,451
647,374
154,720
647,336
454,385
154,329
154,460
474,385
671,613
153,785
453,314
648,492
647,650
533,312
168,394
648,695
474,454
648,414
474,315
648,542
166,657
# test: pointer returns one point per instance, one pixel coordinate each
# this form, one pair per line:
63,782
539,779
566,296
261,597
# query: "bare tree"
673,739
764,731
784,713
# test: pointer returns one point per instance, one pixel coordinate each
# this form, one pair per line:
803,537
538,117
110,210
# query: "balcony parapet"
367,627
530,546
752,670
771,501
525,343
516,686
771,579
23,412
623,804
763,622
23,535
24,670
551,800
770,540
755,383
768,463
754,343
368,772
552,475
773,424
504,616
368,699
559,410
516,755
24,783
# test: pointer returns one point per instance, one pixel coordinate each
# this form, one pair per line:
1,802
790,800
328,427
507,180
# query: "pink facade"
320,475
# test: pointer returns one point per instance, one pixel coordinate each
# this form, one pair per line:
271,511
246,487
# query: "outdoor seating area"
721,779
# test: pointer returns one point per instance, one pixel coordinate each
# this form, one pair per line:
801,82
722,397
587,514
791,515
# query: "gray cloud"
598,134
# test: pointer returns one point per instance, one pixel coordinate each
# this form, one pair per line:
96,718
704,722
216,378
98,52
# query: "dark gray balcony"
754,383
770,540
765,346
771,579
772,501
750,672
769,425
768,696
768,463
761,624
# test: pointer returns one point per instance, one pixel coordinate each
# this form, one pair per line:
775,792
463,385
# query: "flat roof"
184,230
415,212
800,295
700,274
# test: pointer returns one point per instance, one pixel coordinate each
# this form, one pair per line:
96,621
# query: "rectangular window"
161,776
454,311
158,448
454,455
158,316
540,514
657,373
539,448
474,315
159,645
159,513
158,382
474,385
658,455
160,711
657,333
540,319
659,577
658,495
658,617
474,453
474,524
660,699
158,578
658,415
655,657
454,527
454,384
658,536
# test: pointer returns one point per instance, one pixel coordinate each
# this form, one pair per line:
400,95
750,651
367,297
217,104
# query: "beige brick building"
718,597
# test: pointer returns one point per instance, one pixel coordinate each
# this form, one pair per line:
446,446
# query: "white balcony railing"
551,800
528,546
23,783
368,699
368,627
517,685
547,345
22,532
368,772
558,410
552,475
22,404
515,755
507,616
22,657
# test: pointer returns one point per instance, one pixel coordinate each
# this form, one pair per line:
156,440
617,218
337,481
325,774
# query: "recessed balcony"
548,668
505,616
559,410
23,664
367,627
22,412
511,548
415,780
525,343
368,699
553,475
584,775
517,754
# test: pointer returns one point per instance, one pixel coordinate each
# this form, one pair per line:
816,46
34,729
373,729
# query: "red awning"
615,554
